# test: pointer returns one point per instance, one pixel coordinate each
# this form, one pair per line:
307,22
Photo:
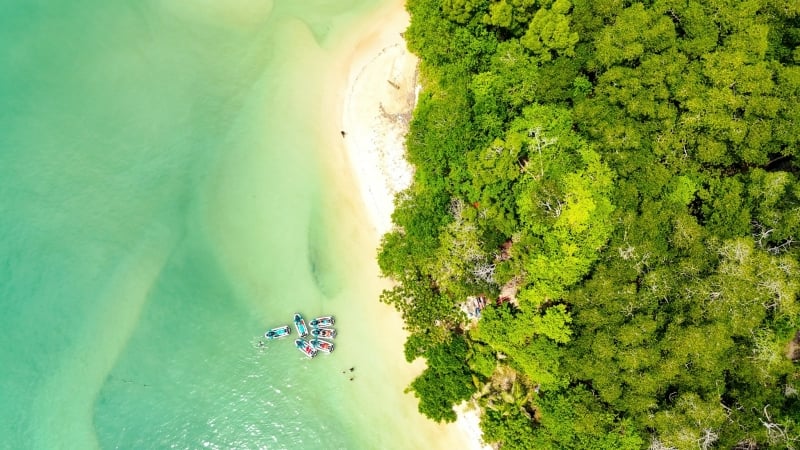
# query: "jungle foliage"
620,179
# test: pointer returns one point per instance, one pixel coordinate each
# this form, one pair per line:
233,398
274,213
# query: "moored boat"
324,332
300,324
278,332
321,345
305,347
324,321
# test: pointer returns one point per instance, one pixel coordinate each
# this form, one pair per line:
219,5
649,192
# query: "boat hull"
328,333
322,345
324,322
305,348
278,332
300,324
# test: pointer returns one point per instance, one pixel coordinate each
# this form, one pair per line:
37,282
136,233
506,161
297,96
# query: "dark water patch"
190,336
190,376
323,17
324,267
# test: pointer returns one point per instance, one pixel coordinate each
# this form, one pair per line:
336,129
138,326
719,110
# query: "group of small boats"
321,327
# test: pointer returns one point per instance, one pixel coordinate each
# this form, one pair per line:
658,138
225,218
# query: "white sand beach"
376,109
376,102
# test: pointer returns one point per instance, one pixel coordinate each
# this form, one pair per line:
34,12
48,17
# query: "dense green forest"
619,181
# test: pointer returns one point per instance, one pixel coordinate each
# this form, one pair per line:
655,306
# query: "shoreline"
374,110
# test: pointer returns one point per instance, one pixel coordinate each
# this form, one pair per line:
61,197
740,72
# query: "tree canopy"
619,179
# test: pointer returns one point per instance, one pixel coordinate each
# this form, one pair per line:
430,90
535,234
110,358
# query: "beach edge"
376,106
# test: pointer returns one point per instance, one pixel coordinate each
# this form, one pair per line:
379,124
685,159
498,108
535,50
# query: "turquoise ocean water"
162,202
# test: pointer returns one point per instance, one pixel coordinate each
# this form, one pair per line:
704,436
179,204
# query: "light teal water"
160,205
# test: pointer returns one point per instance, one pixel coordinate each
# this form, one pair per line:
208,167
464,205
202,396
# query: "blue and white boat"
300,324
324,321
322,345
323,333
278,332
305,347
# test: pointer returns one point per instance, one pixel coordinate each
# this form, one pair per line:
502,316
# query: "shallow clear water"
162,202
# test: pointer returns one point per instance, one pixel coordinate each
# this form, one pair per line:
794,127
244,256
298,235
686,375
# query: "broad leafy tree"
619,180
